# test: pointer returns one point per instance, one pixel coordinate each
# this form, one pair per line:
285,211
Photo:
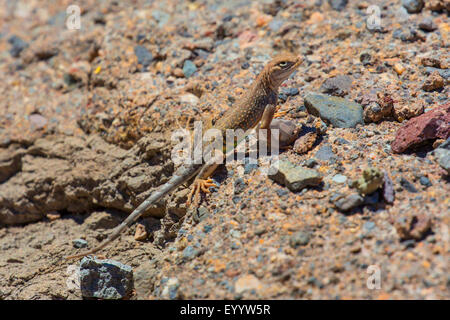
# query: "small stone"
295,177
247,283
425,181
349,202
288,132
340,112
143,55
338,5
300,238
189,252
408,185
442,154
371,180
337,86
365,58
427,24
399,68
413,6
305,142
37,120
388,189
339,178
105,279
189,98
369,226
325,153
79,243
310,163
189,68
18,45
433,82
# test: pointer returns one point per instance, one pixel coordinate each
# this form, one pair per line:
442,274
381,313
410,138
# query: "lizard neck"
264,84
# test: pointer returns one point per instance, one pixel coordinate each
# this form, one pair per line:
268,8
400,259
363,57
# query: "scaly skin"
256,107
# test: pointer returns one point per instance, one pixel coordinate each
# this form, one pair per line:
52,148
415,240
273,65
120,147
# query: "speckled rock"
428,126
105,279
295,177
337,86
413,227
339,112
433,82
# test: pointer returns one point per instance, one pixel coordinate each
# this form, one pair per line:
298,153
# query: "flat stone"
337,86
340,112
349,202
295,177
428,126
105,279
339,178
325,153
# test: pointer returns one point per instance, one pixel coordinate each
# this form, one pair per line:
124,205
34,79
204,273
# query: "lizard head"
281,67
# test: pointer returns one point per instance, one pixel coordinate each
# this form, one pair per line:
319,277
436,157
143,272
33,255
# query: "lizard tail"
175,181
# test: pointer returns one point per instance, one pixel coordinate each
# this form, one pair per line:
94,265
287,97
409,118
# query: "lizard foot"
199,185
279,114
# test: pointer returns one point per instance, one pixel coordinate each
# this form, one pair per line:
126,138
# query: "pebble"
295,177
337,86
189,98
18,45
413,6
425,181
340,112
144,56
388,189
310,163
338,5
79,243
427,24
247,283
325,153
305,142
442,155
433,82
349,202
413,227
339,178
105,279
408,185
300,238
189,68
37,120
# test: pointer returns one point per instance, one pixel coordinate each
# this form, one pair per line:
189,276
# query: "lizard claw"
279,113
199,185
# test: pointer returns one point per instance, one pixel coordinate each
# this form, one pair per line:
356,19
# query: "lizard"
256,108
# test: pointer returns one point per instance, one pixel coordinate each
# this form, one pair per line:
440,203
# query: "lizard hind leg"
199,185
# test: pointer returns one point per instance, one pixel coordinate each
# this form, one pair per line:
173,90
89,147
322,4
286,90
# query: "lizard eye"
283,64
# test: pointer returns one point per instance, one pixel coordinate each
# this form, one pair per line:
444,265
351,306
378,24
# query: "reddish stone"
428,126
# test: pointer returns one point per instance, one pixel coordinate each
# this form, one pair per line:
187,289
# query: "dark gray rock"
408,185
340,112
105,279
144,56
425,181
338,5
18,45
295,177
413,6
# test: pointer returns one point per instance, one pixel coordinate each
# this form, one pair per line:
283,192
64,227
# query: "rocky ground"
86,118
